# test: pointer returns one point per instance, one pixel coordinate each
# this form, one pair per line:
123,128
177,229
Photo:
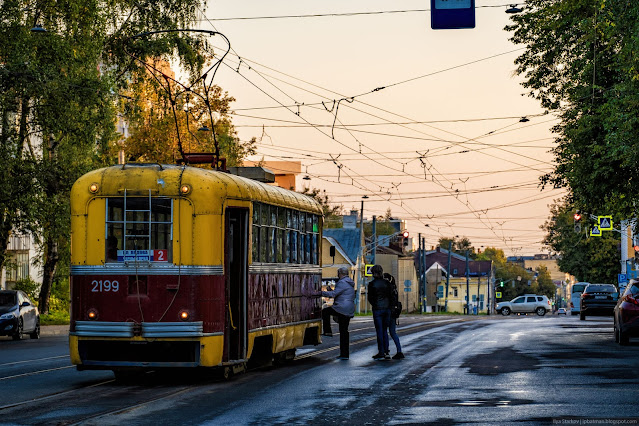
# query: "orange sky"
441,145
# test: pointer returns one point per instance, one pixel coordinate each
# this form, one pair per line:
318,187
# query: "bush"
30,287
55,318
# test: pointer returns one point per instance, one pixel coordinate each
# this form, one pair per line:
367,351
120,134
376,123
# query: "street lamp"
513,9
38,29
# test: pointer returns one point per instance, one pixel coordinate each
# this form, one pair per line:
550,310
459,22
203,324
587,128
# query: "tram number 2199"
98,286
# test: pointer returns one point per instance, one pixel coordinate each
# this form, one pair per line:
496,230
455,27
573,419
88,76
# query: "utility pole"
420,272
478,288
374,240
490,284
360,258
423,264
467,286
450,247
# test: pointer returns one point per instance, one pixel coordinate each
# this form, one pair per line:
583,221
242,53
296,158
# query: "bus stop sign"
452,14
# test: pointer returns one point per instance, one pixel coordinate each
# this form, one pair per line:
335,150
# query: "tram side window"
256,232
142,225
287,236
294,237
315,240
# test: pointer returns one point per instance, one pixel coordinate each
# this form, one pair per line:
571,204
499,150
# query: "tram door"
236,267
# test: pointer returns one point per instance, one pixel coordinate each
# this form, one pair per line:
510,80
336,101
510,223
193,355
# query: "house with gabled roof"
479,290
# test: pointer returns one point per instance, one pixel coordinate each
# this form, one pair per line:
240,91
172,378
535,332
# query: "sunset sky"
440,143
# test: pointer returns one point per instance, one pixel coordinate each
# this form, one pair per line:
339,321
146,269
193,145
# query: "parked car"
528,303
18,315
626,314
561,311
598,299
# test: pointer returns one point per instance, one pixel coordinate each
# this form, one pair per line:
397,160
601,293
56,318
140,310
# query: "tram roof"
165,180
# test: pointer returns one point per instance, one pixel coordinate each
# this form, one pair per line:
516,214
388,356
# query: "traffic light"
405,235
577,221
501,283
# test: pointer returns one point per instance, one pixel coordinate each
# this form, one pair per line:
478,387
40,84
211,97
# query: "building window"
17,266
455,292
440,291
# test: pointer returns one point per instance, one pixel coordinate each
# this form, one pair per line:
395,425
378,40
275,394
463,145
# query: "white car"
528,303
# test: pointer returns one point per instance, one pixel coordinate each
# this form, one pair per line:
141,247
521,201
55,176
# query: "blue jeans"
392,329
382,319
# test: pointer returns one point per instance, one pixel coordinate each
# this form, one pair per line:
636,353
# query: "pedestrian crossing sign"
367,270
498,294
595,231
605,223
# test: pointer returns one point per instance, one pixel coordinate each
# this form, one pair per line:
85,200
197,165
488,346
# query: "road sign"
452,14
498,294
407,283
367,271
595,231
622,278
407,290
605,223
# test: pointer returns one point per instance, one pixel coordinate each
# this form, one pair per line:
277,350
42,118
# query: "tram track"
101,416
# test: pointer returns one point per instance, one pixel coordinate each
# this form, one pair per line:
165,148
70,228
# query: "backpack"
396,305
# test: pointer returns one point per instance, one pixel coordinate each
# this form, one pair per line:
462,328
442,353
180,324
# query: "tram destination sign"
142,256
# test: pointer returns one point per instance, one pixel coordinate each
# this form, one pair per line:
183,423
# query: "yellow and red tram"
178,266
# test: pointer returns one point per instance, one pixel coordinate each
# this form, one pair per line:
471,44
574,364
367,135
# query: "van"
575,296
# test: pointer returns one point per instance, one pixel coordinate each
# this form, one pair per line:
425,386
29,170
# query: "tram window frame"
284,235
156,225
256,232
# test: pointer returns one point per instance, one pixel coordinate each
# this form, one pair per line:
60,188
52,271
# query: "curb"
54,330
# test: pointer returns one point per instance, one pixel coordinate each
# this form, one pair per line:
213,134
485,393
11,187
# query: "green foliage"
58,103
30,287
459,246
580,62
55,318
331,211
492,253
592,259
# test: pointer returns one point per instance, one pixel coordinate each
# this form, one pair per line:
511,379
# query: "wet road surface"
458,370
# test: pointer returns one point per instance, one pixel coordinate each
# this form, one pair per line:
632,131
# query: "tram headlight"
92,314
185,189
94,188
184,315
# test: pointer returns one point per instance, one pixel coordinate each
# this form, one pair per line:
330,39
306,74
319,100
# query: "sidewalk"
54,330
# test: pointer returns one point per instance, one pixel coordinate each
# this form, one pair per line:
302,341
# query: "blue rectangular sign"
622,278
406,289
452,14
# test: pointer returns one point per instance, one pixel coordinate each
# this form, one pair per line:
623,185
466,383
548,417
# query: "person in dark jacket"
343,308
392,326
379,296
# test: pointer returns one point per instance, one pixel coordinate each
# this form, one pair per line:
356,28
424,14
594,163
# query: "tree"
580,62
592,259
459,246
57,102
156,132
331,212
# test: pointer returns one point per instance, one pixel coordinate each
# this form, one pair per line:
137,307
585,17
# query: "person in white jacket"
343,308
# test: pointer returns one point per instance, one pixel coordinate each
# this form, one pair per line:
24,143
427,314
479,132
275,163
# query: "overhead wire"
351,99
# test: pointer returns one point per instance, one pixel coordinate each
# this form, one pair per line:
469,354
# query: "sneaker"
327,334
399,355
342,357
387,353
386,356
379,356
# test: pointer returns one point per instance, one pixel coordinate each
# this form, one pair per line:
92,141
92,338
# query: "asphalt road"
458,370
